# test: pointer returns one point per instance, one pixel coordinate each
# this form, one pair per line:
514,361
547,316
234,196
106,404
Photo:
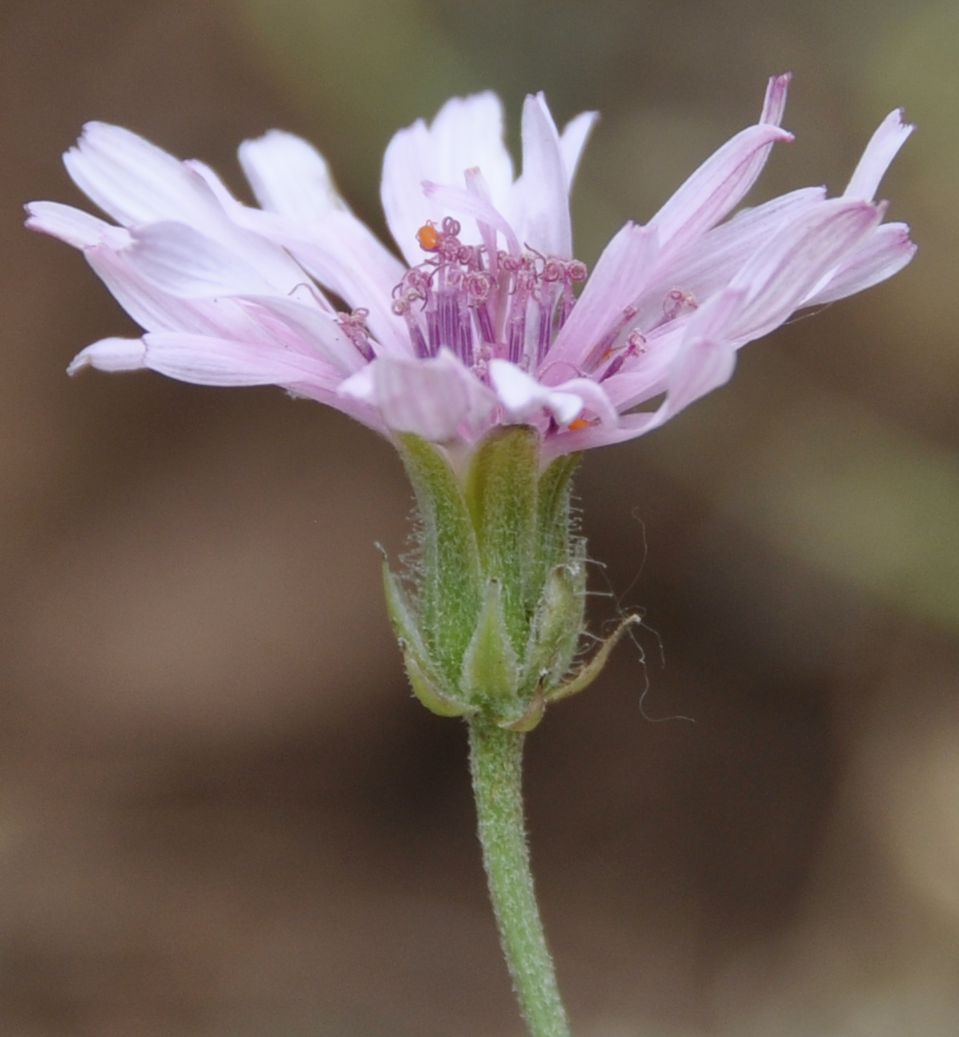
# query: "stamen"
633,348
604,348
523,282
464,338
355,329
574,272
636,341
553,270
420,346
432,327
448,319
678,302
485,321
467,292
479,286
545,331
516,338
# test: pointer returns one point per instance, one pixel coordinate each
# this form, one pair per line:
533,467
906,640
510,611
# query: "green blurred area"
220,812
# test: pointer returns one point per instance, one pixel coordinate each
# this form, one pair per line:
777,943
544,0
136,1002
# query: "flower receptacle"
491,616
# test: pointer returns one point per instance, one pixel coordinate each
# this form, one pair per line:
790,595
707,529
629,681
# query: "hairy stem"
496,767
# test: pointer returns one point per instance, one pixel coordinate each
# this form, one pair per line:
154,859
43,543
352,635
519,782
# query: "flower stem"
496,768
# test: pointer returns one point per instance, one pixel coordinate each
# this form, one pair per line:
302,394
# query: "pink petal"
592,396
167,276
774,103
779,277
338,250
703,365
716,187
644,377
436,398
652,373
465,202
477,186
75,227
404,170
184,262
135,181
711,262
573,140
617,281
522,396
345,257
544,186
209,361
304,329
111,354
880,151
466,133
137,184
704,362
884,253
289,176
155,309
574,442
731,242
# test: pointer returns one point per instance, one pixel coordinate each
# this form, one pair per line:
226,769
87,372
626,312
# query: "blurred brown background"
221,814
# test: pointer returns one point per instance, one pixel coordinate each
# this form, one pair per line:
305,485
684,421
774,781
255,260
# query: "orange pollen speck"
428,237
579,423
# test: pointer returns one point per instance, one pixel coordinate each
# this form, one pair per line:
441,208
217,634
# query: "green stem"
496,758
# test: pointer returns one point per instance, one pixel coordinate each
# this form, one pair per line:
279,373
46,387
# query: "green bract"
492,616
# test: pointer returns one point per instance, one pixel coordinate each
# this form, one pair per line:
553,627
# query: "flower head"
490,319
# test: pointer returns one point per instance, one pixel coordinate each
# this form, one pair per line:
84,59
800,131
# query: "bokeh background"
221,814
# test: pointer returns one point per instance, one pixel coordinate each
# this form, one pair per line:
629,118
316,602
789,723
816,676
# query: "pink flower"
490,319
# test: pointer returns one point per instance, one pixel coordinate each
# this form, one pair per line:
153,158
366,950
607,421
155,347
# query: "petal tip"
94,130
32,220
900,115
774,103
111,355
